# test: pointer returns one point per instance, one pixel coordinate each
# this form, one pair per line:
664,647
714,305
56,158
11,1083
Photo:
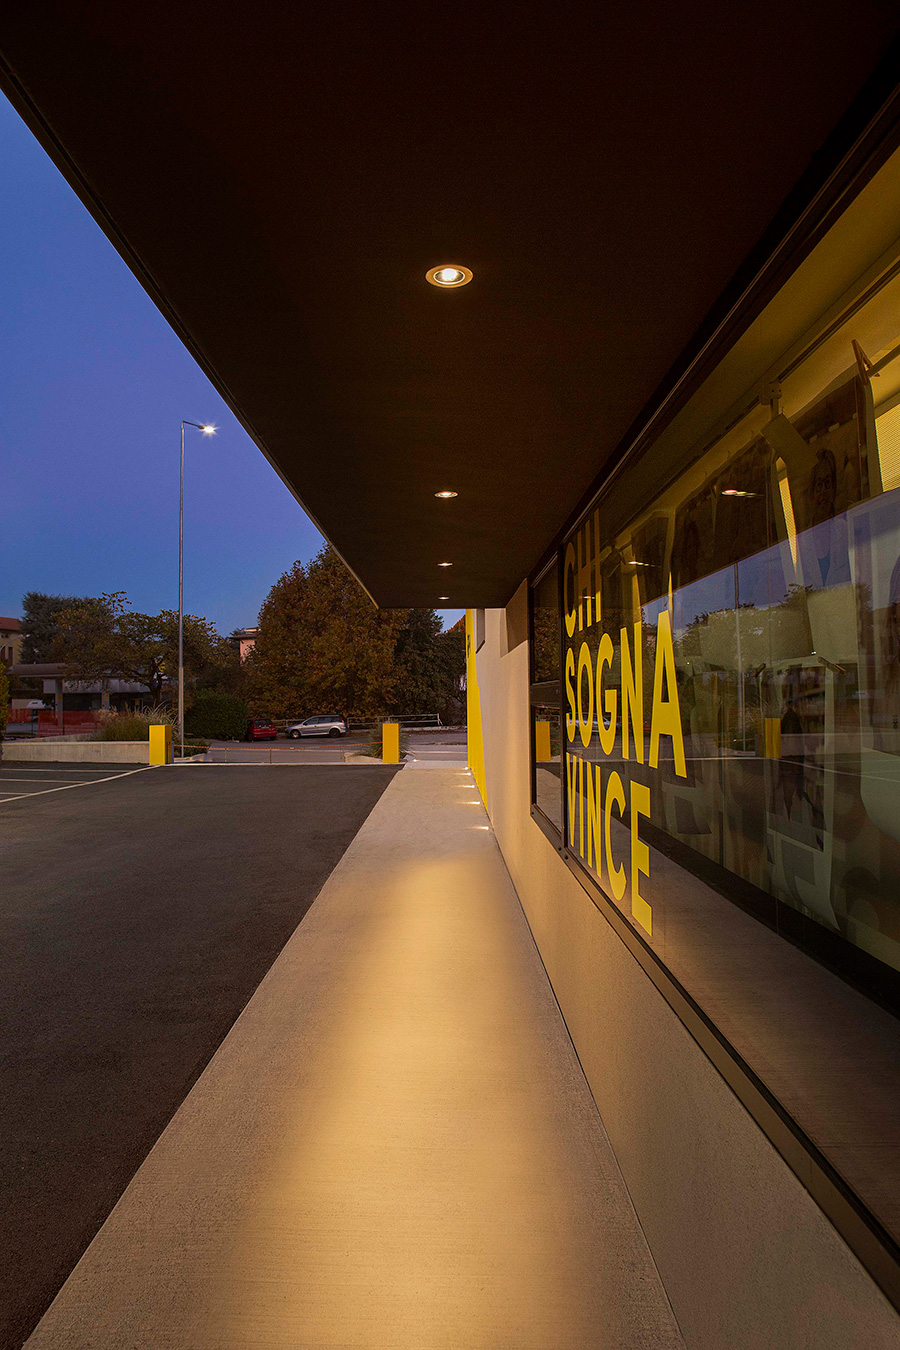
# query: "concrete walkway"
393,1147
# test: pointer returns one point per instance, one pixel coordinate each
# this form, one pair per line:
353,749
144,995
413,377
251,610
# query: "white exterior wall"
56,751
747,1257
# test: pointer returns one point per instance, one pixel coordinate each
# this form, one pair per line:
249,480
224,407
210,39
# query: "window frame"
555,833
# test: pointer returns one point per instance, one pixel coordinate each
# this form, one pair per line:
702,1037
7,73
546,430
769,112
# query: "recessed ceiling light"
736,492
446,494
449,275
443,597
445,564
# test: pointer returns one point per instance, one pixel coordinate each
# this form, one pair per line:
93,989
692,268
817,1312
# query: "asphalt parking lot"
28,780
139,910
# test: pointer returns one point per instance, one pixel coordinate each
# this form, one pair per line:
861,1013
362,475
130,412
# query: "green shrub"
131,726
218,717
126,727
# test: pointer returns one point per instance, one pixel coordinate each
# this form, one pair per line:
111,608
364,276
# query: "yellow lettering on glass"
585,667
571,720
640,855
571,772
614,793
581,806
585,569
607,730
632,695
666,717
569,570
594,812
597,586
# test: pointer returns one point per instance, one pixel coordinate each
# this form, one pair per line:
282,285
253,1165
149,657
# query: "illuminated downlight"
445,564
449,275
446,495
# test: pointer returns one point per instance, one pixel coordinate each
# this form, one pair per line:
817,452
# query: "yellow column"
161,745
390,743
542,751
474,734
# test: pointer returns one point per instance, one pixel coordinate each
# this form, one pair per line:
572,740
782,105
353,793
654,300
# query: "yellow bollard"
773,737
390,743
542,751
161,750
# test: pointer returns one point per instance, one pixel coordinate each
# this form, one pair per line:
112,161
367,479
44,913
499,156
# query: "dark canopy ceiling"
281,176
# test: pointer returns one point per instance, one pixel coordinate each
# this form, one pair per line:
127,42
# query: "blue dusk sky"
93,387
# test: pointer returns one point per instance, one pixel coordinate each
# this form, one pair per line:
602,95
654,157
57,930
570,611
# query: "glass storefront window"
732,669
729,702
546,726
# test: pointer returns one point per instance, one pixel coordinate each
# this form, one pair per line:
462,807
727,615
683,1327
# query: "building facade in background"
10,640
244,639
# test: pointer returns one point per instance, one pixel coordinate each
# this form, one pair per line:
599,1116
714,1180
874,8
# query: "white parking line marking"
14,778
69,786
12,766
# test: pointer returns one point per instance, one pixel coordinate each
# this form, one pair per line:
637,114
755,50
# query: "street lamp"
208,430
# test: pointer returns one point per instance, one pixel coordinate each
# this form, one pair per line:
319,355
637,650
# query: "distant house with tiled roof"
10,640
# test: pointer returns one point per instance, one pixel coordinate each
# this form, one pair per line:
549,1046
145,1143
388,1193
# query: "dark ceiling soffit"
41,130
854,152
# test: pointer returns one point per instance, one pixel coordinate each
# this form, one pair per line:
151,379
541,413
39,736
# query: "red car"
260,729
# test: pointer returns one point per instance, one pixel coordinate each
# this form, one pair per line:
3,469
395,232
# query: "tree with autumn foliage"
324,647
102,638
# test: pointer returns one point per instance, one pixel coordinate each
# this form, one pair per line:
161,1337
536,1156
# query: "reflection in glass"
546,729
773,584
547,756
545,627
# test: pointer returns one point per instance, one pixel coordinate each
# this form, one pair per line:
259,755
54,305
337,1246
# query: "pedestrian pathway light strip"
208,430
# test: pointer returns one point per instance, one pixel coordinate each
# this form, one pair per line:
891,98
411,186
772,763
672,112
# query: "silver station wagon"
318,726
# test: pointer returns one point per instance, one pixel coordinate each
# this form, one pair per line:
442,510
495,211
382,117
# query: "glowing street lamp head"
208,429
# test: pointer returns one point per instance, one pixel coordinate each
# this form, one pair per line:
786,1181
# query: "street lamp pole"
208,430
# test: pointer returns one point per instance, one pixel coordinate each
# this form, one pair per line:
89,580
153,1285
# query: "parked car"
319,726
260,729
